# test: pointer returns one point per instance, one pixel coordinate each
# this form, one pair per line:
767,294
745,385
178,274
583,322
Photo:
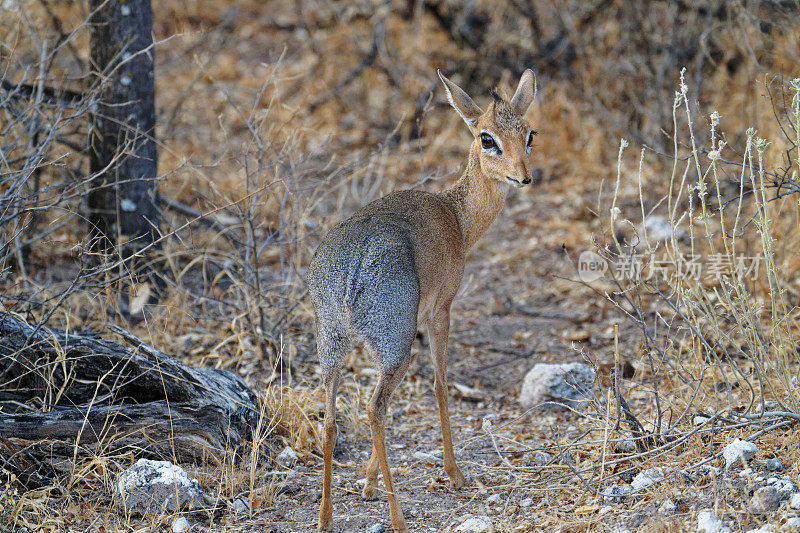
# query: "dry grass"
256,127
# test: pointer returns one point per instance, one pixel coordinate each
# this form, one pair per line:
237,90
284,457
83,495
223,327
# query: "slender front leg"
328,442
439,331
376,412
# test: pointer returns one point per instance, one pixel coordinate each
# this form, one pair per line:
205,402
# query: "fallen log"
76,393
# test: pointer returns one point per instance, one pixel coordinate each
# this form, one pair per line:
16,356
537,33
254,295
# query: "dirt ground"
324,106
513,312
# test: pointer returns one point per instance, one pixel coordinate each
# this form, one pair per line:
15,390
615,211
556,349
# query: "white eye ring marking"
497,149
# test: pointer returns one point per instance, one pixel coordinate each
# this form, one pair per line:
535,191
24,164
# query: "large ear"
526,91
461,102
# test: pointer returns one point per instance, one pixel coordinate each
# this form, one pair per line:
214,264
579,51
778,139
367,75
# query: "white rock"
494,498
617,493
707,522
646,478
792,524
241,505
699,420
668,507
476,524
156,487
287,458
763,529
541,458
527,502
737,451
605,510
765,500
794,503
785,488
180,525
567,383
657,229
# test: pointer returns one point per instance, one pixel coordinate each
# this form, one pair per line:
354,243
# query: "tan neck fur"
477,199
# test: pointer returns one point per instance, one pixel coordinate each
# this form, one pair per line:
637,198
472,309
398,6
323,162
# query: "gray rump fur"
363,279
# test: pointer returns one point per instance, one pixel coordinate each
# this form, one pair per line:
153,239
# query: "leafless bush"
709,289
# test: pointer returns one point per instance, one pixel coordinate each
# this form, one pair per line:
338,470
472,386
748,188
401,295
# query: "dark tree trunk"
94,395
123,209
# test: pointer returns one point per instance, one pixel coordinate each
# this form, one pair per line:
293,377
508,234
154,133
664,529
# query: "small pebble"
707,522
475,524
494,498
541,458
738,451
794,503
765,500
605,510
792,524
647,478
287,458
241,505
180,525
617,493
668,507
377,528
528,502
774,465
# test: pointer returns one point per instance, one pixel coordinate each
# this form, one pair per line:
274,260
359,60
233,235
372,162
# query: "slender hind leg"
376,411
439,331
370,491
332,343
328,443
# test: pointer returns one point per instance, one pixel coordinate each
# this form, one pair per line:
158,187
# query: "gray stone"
527,502
180,525
707,522
549,385
287,458
785,488
617,493
765,500
541,458
774,465
494,498
377,528
241,506
646,478
668,507
156,487
657,229
794,503
792,524
738,451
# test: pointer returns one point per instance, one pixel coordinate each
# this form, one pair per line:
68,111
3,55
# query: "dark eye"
487,141
530,138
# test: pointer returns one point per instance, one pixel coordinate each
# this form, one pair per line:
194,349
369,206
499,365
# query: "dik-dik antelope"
397,264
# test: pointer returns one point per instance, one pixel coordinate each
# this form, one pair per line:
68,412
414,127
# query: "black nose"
526,181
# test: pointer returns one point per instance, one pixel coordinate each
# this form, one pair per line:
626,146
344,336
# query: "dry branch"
98,395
